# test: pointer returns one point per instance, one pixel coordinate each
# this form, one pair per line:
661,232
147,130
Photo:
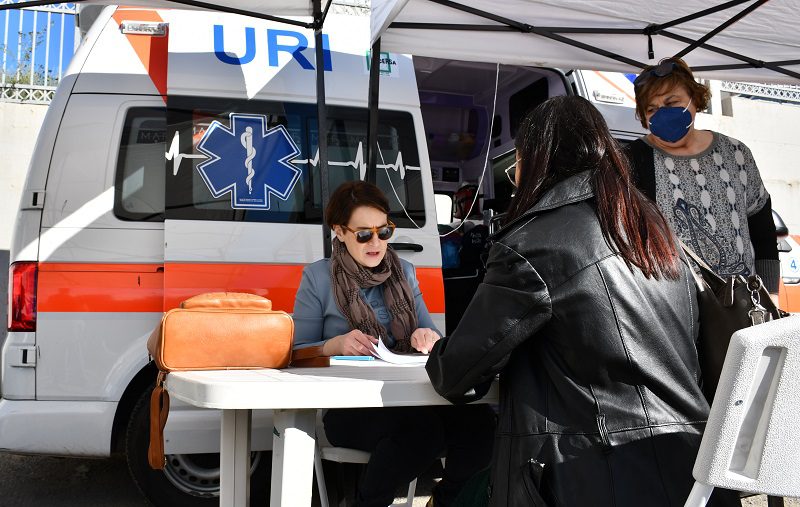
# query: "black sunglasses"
364,235
664,68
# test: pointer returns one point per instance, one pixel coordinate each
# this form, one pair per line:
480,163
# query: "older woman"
589,315
706,184
365,291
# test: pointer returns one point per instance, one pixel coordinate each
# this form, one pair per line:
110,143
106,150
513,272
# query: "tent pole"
696,15
322,126
774,66
374,92
691,47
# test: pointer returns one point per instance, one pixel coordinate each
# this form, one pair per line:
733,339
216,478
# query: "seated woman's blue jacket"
317,318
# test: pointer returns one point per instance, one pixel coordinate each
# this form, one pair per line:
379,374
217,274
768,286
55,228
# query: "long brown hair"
567,135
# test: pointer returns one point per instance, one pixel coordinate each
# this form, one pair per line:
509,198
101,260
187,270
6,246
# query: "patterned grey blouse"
707,198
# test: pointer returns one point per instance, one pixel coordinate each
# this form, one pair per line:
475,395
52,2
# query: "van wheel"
187,479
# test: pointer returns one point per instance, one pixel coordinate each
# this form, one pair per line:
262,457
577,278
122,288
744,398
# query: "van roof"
232,56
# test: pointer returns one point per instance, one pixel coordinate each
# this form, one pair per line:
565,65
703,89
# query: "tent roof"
750,40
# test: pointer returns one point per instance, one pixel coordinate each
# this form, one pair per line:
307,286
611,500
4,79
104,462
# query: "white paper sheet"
382,352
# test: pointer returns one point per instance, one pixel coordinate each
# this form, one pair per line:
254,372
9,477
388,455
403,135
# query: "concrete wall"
770,130
19,127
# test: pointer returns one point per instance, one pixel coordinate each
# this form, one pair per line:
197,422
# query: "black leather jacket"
600,403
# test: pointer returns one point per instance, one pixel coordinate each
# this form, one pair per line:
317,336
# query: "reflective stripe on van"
91,287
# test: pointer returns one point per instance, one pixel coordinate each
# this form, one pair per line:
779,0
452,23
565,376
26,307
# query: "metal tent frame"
560,34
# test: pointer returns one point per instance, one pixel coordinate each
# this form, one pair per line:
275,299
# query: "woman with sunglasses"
587,313
706,184
344,305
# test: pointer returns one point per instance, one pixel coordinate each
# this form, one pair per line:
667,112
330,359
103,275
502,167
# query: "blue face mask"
671,123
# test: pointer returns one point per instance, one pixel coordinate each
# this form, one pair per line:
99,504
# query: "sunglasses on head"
664,68
364,235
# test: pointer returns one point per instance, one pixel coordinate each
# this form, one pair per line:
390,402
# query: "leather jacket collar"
575,188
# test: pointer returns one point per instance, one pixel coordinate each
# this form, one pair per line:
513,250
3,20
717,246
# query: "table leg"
234,459
699,495
293,445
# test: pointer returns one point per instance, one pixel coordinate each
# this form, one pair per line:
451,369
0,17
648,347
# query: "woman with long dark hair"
589,315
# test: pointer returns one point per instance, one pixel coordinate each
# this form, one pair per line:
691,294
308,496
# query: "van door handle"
410,247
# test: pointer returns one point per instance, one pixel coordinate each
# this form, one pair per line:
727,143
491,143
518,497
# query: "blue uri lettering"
225,57
273,47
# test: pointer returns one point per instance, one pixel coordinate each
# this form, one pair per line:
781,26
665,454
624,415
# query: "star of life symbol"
248,160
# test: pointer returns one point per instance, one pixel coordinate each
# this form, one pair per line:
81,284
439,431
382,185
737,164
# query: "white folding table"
294,394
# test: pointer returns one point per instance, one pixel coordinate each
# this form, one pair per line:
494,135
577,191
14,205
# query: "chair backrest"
752,439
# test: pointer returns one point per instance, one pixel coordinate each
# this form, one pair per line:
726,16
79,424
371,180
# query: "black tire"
188,479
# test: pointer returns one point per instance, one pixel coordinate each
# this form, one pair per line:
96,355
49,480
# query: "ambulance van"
179,156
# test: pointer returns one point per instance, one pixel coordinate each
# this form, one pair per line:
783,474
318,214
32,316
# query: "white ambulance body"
174,164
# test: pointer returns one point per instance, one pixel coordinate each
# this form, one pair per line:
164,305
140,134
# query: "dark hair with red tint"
351,195
567,135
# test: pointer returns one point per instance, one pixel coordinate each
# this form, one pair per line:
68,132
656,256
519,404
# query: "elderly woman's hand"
423,339
354,343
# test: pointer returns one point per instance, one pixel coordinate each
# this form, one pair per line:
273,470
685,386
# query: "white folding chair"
752,438
346,455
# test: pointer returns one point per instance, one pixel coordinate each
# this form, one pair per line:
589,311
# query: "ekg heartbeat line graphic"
359,163
174,155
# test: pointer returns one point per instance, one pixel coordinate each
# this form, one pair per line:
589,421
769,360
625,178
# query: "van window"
139,187
207,180
522,102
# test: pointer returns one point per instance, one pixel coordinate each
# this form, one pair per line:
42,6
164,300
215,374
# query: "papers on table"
382,352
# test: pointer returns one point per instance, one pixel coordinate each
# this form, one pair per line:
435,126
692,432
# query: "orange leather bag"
214,331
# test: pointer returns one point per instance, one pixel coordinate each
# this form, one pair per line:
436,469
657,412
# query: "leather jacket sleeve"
509,307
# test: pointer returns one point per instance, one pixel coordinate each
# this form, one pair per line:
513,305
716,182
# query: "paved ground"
36,481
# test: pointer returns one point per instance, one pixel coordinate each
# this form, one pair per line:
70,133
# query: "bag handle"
159,411
754,285
701,264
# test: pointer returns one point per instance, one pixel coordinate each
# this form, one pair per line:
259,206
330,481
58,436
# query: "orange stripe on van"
152,51
85,287
79,287
431,284
273,281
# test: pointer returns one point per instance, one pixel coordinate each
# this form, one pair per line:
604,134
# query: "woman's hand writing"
423,339
354,343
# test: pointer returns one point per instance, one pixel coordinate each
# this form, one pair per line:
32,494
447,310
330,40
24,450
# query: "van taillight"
22,296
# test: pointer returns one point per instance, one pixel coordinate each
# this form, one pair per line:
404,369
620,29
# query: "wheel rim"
198,474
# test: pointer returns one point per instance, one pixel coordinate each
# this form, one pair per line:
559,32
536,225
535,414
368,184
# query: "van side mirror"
784,246
780,226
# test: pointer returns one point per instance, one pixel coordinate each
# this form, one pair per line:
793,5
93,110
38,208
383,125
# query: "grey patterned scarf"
348,277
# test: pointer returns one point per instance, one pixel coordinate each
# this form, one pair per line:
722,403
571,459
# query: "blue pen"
354,358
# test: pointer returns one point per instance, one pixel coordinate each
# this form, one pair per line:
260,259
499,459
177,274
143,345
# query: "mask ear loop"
686,109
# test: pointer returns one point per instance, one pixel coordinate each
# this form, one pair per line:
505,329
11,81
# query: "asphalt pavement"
40,481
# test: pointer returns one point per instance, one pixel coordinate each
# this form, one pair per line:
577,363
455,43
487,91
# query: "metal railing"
36,45
783,93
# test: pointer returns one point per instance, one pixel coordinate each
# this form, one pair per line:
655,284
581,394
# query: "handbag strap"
159,410
763,300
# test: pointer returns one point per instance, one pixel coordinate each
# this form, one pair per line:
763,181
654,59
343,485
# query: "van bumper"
56,428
